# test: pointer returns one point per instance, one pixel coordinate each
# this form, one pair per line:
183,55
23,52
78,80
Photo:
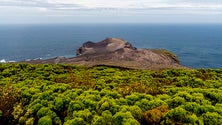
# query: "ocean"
197,45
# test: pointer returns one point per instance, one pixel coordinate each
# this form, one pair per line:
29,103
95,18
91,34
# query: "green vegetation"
167,53
71,95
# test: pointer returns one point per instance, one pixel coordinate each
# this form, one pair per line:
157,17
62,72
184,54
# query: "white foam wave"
11,61
28,60
3,61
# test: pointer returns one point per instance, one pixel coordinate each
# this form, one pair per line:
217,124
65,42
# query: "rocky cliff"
117,52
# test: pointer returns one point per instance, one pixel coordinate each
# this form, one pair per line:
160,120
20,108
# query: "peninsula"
120,53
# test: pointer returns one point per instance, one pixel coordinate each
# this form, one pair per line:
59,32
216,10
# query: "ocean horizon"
196,45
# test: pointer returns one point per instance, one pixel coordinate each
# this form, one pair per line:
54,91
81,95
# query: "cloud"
36,4
100,9
114,4
116,7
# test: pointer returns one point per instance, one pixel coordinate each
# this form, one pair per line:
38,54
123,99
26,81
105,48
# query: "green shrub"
45,111
136,112
99,120
176,101
121,101
86,115
192,107
212,118
57,121
124,118
75,106
36,107
75,121
1,113
131,99
193,119
46,120
107,104
89,104
31,121
107,116
176,116
58,104
144,104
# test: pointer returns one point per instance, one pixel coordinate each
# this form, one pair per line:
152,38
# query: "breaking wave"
3,61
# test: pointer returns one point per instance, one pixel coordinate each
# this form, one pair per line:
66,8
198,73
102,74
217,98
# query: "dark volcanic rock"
117,52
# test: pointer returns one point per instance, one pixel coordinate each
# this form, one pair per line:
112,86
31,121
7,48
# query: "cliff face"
117,52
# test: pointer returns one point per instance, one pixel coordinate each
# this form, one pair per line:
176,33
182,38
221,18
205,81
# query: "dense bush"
65,94
155,116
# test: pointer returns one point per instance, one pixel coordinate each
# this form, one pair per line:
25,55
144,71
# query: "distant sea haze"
197,45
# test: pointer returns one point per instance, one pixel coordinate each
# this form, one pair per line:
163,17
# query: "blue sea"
197,45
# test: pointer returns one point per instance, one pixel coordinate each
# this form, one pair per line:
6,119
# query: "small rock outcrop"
120,53
105,46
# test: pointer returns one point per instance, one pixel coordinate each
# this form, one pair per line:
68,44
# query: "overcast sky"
110,11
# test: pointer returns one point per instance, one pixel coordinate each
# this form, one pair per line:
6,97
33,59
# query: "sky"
110,11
